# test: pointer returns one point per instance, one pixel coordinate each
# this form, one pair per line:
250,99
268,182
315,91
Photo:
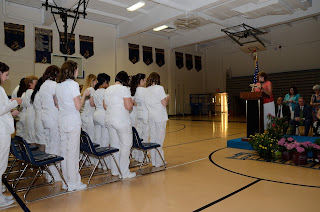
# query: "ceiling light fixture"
160,28
136,6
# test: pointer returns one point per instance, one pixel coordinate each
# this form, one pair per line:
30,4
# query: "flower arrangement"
277,125
284,142
265,144
316,150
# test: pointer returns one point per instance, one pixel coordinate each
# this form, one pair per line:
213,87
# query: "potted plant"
315,148
300,152
282,147
265,144
276,126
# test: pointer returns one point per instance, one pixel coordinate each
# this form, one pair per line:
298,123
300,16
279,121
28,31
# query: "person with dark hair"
22,88
118,103
70,103
302,117
39,130
6,129
291,99
156,101
138,91
29,132
88,107
49,115
265,86
101,131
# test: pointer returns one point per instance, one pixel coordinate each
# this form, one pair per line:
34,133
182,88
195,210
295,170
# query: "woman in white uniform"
88,107
38,126
68,96
21,118
118,103
101,131
30,134
6,129
49,115
156,101
138,90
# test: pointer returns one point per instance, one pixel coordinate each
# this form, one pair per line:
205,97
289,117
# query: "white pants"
30,134
5,141
88,126
52,141
20,125
70,150
101,131
157,135
268,108
40,133
144,134
121,138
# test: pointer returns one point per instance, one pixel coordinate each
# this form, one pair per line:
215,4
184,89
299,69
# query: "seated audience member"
315,101
282,111
291,99
302,117
316,126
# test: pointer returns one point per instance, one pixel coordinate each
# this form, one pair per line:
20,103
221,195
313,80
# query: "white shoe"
8,198
4,188
130,175
78,187
64,186
4,202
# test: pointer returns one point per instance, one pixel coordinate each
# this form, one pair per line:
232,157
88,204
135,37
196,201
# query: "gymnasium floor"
200,176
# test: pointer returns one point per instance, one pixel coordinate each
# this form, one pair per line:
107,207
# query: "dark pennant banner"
134,53
147,55
189,61
14,36
179,60
71,47
86,46
198,63
43,45
160,57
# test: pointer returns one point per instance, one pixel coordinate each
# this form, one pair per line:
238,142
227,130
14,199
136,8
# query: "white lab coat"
158,118
49,119
30,134
39,129
118,122
70,129
14,93
20,125
87,116
6,129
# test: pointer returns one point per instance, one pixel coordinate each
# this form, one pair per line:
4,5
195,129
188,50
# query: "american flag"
256,72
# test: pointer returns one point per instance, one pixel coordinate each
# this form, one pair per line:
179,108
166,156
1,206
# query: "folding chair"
145,147
38,162
100,153
83,159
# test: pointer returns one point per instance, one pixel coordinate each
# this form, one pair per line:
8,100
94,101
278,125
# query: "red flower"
273,125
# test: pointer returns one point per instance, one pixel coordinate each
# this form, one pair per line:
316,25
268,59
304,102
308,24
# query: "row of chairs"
39,161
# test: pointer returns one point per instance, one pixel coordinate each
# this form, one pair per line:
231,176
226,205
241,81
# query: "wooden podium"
254,112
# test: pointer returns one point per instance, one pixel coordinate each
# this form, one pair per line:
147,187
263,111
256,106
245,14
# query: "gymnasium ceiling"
213,15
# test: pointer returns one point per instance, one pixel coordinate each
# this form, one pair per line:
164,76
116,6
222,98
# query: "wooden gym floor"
200,177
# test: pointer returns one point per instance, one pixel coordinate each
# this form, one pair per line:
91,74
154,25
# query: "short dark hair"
302,98
264,75
101,78
67,71
123,78
51,73
3,67
154,77
295,90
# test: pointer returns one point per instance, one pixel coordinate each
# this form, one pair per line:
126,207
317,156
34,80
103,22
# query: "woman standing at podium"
265,86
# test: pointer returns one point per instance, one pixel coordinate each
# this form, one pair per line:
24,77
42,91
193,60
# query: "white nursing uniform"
101,131
70,129
158,118
39,130
20,125
117,120
49,119
30,134
87,115
6,129
14,93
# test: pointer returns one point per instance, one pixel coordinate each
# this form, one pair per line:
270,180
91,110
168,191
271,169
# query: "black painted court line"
227,196
184,127
273,181
206,120
199,140
14,194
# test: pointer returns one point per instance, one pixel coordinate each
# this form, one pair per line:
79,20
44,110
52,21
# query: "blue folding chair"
83,157
100,153
144,147
38,162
